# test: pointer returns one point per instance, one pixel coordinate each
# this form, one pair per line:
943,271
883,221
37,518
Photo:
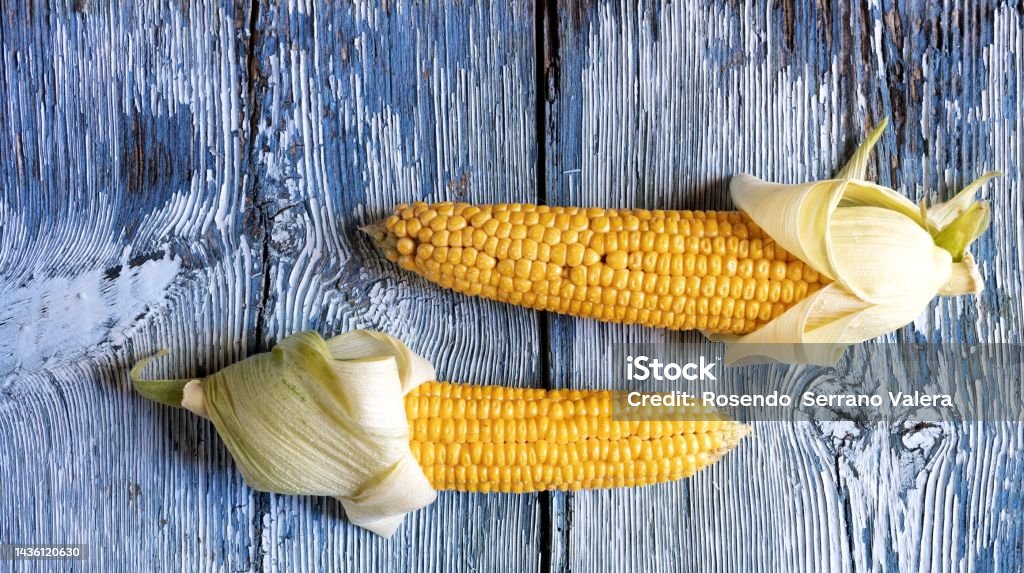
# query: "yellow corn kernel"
634,266
492,439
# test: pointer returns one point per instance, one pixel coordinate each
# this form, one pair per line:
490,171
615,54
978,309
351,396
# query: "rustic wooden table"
192,175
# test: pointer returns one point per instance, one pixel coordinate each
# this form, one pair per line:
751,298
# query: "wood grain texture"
241,170
193,175
123,231
360,109
656,107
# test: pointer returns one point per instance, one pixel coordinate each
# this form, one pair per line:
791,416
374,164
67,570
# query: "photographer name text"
675,399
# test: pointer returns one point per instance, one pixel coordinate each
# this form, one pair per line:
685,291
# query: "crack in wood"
556,508
264,221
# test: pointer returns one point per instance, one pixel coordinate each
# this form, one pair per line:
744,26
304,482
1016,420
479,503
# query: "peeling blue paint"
241,173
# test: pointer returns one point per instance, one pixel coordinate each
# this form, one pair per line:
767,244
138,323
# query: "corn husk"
317,417
888,258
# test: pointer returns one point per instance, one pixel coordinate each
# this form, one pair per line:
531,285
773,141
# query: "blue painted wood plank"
155,193
361,108
124,191
656,107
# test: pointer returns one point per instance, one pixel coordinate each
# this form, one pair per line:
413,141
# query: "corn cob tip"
732,434
376,230
386,240
739,431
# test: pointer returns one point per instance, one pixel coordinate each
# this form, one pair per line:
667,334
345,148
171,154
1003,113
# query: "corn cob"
493,438
708,270
359,417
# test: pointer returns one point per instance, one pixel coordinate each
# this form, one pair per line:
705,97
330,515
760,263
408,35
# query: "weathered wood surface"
356,111
657,107
125,182
193,176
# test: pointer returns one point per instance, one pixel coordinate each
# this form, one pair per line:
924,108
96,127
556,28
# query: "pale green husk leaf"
857,166
316,417
887,257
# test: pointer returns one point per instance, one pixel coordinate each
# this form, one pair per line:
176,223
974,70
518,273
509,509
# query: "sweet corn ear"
713,271
498,439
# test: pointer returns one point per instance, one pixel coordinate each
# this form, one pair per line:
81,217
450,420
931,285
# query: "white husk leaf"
316,417
942,214
878,248
857,166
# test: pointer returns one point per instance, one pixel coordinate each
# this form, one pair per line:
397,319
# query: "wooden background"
192,175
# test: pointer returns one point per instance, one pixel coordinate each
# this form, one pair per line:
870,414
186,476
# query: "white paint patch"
921,439
841,430
54,319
